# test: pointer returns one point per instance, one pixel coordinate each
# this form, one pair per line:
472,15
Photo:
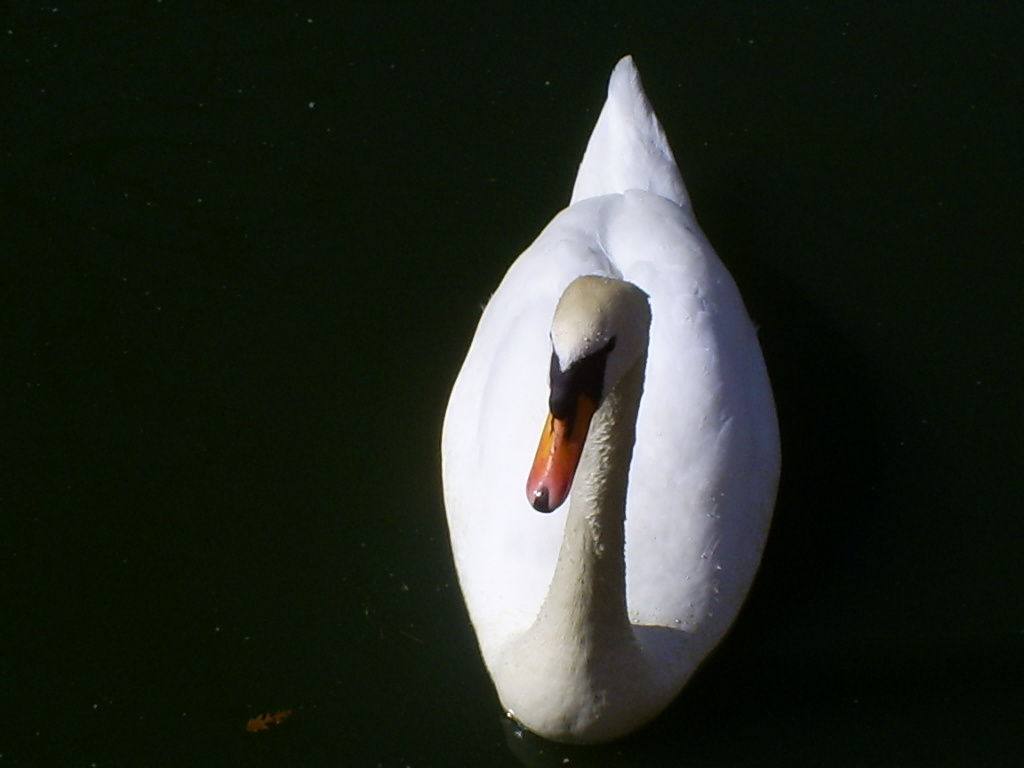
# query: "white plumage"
704,464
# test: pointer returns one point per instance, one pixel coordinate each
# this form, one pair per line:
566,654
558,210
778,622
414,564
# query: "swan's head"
599,331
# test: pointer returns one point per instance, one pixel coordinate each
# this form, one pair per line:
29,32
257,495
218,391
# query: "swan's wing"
504,550
706,459
628,148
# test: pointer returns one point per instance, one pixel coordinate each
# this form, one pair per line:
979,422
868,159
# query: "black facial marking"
585,376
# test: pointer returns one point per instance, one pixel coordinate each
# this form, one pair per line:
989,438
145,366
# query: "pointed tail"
628,148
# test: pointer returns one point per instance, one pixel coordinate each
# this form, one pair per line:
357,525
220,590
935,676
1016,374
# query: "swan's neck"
588,591
579,669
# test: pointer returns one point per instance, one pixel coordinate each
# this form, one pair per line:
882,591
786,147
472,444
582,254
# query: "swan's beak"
558,455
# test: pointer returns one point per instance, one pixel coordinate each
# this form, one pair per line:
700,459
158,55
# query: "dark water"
243,247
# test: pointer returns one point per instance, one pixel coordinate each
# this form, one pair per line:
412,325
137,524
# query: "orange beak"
558,455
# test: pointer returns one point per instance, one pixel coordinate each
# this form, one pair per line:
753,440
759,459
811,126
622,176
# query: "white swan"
590,623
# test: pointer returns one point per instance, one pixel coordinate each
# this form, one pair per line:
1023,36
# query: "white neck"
588,590
580,668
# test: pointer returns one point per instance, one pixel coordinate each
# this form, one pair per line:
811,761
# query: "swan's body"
591,622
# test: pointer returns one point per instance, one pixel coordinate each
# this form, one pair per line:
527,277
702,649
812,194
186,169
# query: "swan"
622,340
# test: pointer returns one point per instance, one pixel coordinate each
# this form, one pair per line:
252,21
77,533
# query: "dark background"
243,247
